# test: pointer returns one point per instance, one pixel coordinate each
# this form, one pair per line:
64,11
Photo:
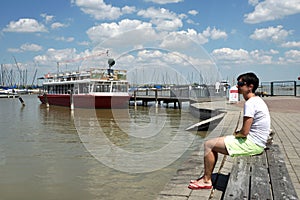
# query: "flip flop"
193,181
195,186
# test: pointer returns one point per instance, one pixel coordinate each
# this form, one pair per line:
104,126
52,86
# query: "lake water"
55,153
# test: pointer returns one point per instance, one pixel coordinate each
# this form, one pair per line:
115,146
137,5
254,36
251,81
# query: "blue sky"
223,37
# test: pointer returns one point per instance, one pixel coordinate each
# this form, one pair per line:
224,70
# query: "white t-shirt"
257,109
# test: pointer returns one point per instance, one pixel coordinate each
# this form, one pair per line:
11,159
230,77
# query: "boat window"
119,87
76,90
101,87
98,88
50,90
70,88
83,88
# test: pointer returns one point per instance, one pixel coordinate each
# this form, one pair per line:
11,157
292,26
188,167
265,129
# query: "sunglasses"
241,83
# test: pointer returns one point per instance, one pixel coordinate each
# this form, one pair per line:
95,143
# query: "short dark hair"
249,78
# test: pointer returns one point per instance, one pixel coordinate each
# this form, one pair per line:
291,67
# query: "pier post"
22,101
179,104
71,100
145,103
156,102
134,94
46,100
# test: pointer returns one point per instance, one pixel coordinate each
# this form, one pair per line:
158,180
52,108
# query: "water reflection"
43,157
130,145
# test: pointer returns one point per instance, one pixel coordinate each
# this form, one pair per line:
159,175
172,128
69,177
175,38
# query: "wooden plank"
282,186
239,179
204,122
260,181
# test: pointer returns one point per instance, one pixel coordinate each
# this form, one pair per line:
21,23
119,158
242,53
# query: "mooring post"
21,100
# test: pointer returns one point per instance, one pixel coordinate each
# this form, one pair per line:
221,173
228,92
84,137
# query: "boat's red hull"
87,100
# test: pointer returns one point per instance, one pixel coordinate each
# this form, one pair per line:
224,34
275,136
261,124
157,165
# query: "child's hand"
238,134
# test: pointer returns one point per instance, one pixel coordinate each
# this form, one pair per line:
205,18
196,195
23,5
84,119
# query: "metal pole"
295,88
272,92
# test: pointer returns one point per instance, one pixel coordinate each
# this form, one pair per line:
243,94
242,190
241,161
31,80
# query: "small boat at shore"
92,88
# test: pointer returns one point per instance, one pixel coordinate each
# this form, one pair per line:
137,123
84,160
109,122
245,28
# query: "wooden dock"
175,95
285,119
159,96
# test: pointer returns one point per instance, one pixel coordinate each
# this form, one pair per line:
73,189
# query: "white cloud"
31,47
272,51
53,55
193,12
182,39
189,21
25,25
253,2
128,9
269,10
231,55
134,34
214,34
164,1
167,25
69,59
242,56
185,39
105,31
291,44
261,57
68,39
99,10
83,43
292,56
13,50
166,65
26,47
48,18
275,34
164,19
57,25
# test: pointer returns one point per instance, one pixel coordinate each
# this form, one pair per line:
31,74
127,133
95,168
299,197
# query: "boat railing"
96,74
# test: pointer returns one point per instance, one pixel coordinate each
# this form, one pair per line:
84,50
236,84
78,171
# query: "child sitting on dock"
250,140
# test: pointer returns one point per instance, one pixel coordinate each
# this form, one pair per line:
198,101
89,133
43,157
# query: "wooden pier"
159,96
175,94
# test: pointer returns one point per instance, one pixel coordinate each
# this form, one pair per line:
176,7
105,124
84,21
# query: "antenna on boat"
111,63
57,65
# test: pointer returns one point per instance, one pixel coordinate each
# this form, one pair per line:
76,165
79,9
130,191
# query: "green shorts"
241,146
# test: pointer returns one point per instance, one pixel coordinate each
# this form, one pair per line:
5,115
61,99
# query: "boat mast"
20,72
1,76
57,65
